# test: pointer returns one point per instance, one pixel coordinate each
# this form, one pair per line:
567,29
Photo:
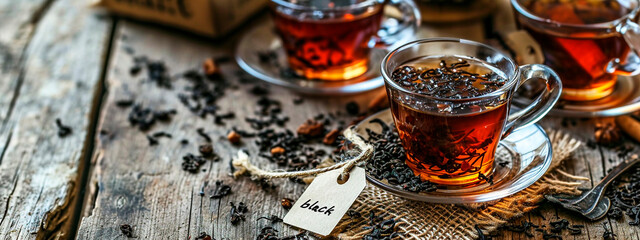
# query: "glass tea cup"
450,99
332,39
587,43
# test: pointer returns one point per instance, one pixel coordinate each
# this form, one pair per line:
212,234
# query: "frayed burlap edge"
419,220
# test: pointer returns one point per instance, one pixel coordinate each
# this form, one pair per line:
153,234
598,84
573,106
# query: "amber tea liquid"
328,47
449,145
580,59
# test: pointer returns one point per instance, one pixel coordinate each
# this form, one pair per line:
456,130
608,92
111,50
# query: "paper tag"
322,205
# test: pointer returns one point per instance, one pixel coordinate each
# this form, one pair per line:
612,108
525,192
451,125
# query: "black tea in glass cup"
450,100
331,40
588,43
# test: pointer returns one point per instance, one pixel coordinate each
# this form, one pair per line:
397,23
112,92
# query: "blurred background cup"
588,43
332,39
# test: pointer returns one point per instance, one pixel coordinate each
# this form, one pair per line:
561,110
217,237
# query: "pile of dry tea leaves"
447,80
388,161
625,196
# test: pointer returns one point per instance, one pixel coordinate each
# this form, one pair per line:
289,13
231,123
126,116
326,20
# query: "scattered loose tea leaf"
124,103
237,213
145,118
164,116
353,214
204,236
273,219
221,190
268,112
203,134
127,230
152,141
218,118
63,130
206,150
381,228
192,163
135,69
555,230
352,108
157,72
161,134
259,90
481,234
268,233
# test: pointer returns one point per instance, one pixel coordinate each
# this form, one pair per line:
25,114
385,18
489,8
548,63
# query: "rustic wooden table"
62,59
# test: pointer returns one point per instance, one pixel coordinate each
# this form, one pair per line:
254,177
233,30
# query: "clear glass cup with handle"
452,140
331,39
588,43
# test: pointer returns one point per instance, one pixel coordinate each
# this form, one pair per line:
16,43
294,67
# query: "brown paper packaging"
212,18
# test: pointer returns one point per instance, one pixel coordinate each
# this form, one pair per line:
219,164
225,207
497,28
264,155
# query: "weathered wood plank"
17,24
143,185
60,76
17,21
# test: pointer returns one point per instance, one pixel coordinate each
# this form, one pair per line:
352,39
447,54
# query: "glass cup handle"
542,104
399,28
631,66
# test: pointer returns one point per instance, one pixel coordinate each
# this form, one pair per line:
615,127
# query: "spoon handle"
593,196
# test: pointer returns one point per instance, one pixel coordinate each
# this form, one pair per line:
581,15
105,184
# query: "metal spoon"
599,211
589,203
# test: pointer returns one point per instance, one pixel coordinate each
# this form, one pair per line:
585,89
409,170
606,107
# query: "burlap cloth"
419,220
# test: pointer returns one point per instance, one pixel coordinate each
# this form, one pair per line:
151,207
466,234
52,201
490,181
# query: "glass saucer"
527,151
624,99
263,39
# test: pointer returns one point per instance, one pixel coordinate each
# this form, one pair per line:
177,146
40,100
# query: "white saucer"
263,39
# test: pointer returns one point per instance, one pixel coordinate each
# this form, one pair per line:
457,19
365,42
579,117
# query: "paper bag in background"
212,18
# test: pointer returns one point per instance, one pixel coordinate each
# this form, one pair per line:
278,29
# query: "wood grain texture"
17,22
144,186
59,73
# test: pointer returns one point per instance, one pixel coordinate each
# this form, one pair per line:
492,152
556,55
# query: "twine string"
242,165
